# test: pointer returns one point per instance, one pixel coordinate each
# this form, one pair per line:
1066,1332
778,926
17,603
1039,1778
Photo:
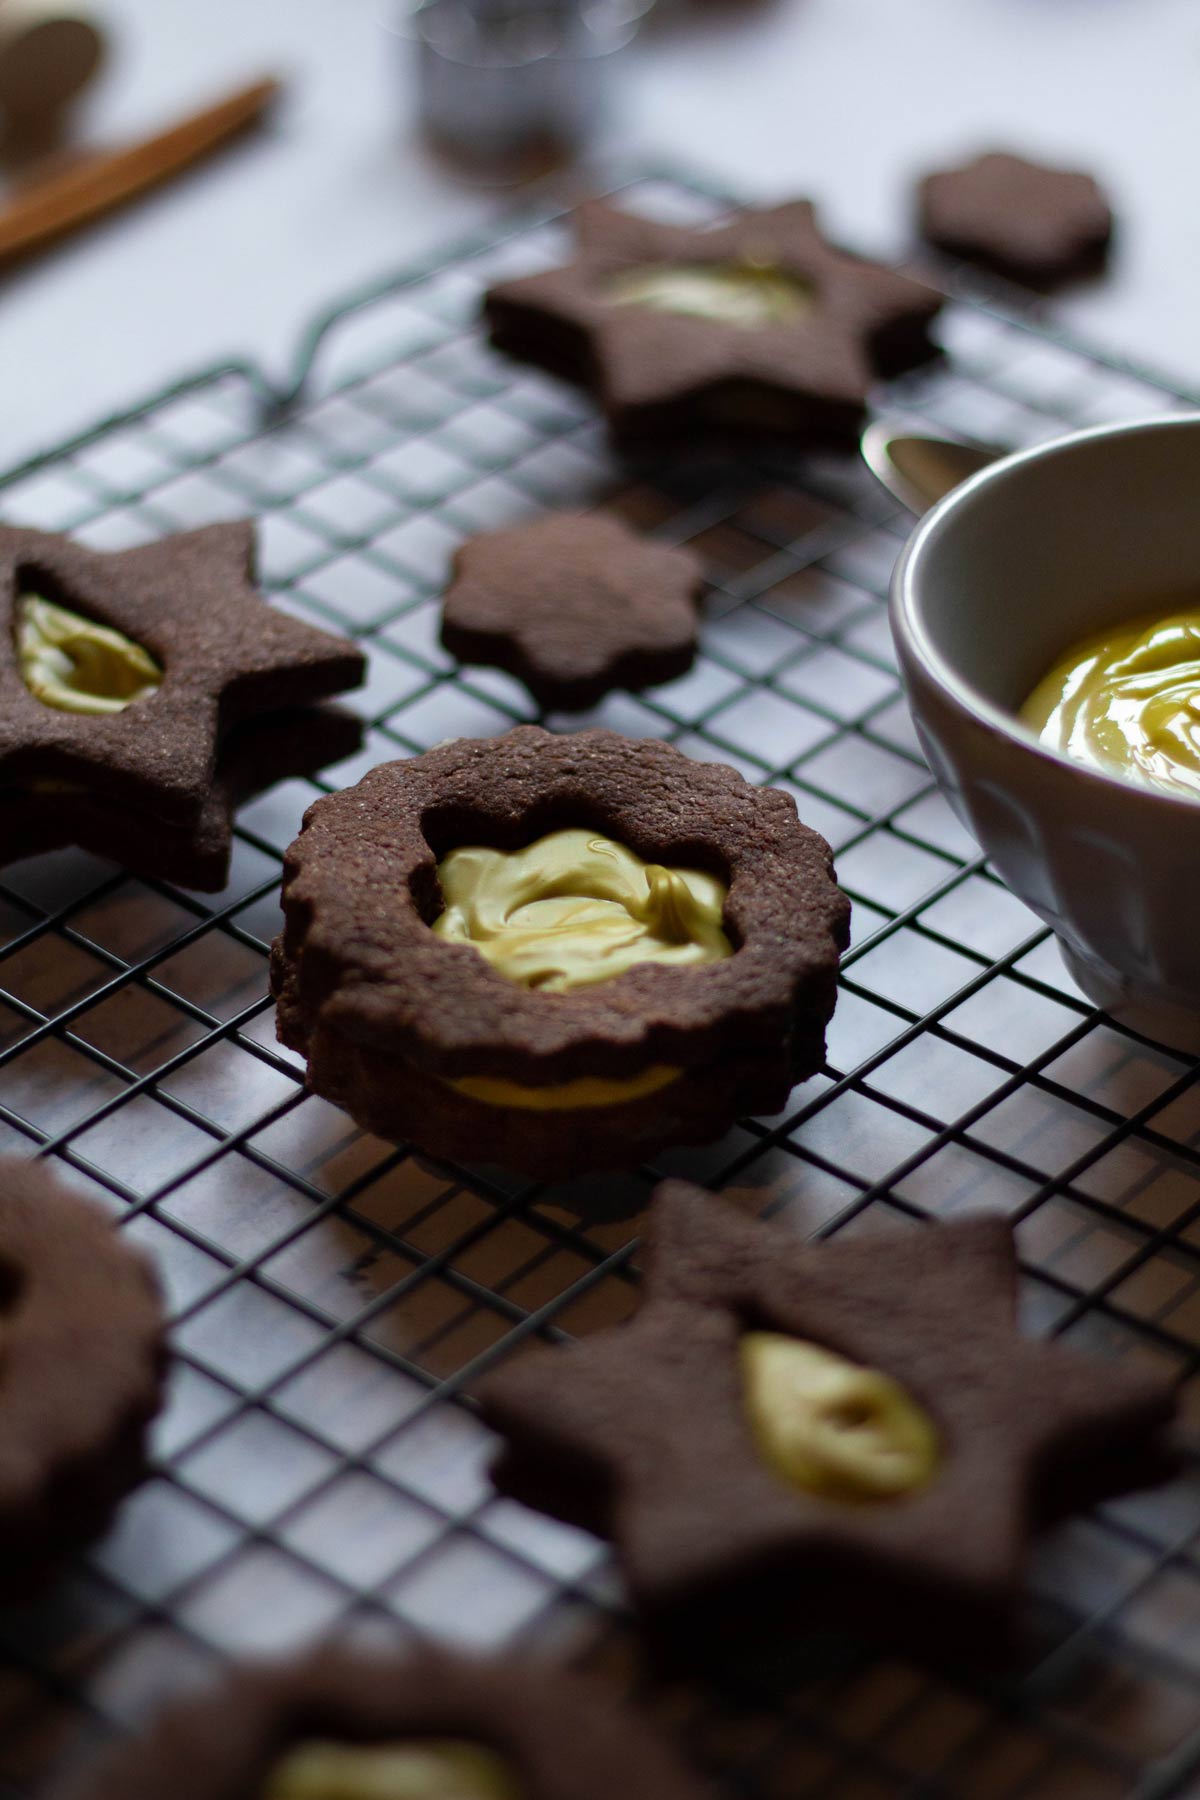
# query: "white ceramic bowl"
997,580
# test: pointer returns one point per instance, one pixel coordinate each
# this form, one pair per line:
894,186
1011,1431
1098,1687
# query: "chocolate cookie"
574,605
456,1727
82,1329
755,323
477,958
1035,225
278,747
120,674
848,1435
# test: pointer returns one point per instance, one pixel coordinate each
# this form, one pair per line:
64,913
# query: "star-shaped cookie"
407,1723
394,1723
574,605
758,322
281,746
225,656
641,1433
1034,224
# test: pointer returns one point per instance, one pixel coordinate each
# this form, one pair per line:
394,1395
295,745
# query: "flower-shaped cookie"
422,1726
718,917
574,605
1034,224
82,1346
755,323
850,1435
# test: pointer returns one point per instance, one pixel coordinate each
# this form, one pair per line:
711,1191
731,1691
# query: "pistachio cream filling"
566,1096
433,1770
566,912
832,1427
75,665
749,294
574,909
1127,701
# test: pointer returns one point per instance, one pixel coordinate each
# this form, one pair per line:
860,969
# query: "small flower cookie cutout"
1035,224
574,605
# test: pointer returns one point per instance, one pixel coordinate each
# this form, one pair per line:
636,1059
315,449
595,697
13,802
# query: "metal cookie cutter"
501,80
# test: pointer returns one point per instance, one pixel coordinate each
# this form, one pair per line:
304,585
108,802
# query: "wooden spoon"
99,183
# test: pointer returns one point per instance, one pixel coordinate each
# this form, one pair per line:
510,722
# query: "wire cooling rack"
320,1465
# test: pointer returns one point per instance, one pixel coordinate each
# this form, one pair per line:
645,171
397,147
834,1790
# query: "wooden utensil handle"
96,186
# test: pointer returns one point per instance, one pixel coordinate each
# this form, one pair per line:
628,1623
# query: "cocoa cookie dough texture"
1035,224
280,747
517,1730
398,1022
573,605
882,1478
756,323
128,685
83,1336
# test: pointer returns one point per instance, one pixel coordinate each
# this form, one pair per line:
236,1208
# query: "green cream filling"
831,1427
747,294
567,912
75,665
575,908
434,1770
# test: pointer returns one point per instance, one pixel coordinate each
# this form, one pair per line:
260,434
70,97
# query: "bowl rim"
912,638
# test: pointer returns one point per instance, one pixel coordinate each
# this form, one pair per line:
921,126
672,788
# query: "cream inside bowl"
999,580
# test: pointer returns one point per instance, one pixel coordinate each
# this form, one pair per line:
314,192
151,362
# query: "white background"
843,100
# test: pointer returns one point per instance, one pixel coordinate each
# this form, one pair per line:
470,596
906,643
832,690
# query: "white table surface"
843,100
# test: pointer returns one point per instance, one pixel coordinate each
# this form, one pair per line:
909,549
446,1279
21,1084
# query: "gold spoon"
918,471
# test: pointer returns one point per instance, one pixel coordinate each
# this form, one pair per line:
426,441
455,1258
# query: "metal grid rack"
319,1464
